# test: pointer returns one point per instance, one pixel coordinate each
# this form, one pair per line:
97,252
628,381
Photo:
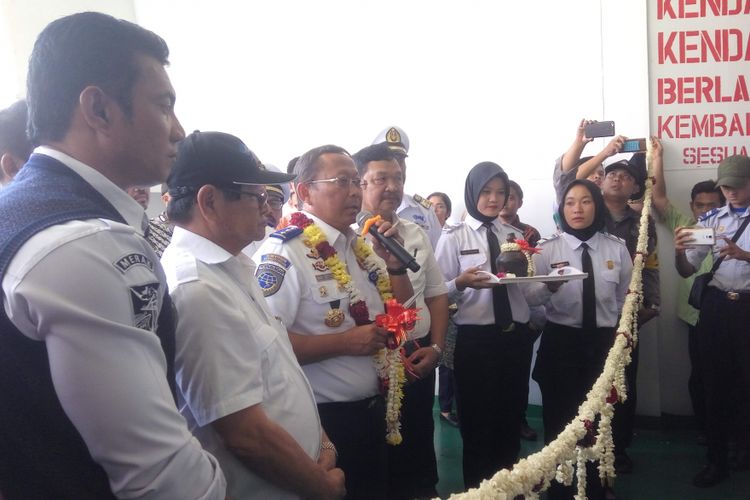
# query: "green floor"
665,462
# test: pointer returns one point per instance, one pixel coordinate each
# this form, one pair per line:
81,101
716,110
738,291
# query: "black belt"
742,297
354,405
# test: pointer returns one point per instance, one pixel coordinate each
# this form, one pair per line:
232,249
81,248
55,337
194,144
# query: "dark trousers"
528,356
490,384
568,363
623,422
723,333
445,391
412,467
358,431
696,387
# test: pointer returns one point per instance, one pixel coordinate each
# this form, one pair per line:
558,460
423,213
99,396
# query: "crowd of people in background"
224,349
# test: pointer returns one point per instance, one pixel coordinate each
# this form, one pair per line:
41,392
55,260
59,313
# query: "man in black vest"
87,331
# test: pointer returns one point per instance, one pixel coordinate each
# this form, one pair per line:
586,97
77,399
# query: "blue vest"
42,455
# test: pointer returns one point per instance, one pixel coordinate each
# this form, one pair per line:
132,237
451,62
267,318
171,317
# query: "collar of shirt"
130,209
728,209
333,235
476,224
202,248
574,242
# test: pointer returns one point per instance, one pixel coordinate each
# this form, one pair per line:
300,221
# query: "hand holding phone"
600,129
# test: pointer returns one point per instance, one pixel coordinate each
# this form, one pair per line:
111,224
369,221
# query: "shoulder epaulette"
452,227
425,203
615,238
548,239
288,233
708,214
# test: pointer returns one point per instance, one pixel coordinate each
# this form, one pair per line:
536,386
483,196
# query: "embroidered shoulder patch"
133,259
708,214
270,277
277,259
287,233
145,301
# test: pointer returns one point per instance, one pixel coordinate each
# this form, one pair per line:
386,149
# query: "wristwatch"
438,350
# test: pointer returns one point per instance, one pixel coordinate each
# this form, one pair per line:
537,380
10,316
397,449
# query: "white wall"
470,81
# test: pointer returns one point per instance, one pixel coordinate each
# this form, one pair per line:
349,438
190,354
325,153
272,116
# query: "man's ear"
96,108
205,202
303,192
10,166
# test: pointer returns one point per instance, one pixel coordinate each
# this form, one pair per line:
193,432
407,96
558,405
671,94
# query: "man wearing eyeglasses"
412,465
241,388
313,301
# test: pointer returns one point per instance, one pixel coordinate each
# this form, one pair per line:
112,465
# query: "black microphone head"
362,217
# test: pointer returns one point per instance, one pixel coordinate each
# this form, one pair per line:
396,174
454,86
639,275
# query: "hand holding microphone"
390,244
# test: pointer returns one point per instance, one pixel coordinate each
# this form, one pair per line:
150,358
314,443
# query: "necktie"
500,302
589,293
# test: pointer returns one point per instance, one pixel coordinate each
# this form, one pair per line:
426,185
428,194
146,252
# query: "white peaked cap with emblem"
396,139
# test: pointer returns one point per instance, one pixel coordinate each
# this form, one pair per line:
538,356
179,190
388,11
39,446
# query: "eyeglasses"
382,180
620,176
340,182
261,197
274,203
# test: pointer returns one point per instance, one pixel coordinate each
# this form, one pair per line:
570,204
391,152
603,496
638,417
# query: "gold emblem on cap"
393,135
610,264
334,317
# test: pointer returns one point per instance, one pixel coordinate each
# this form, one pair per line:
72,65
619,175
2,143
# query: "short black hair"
13,137
81,50
307,165
708,186
446,200
376,152
514,185
291,164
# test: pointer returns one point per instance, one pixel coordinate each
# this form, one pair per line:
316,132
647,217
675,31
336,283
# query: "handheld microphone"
390,244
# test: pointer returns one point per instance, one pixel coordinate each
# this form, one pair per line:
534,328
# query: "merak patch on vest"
288,233
133,259
270,276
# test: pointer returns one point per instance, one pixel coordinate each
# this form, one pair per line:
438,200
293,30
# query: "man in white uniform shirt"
412,464
87,346
412,208
241,389
333,342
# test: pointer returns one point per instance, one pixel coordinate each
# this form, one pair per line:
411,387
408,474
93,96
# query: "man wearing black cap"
625,180
87,332
245,396
722,329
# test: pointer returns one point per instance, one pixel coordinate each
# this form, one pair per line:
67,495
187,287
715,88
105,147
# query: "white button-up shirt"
428,281
92,291
305,293
425,218
612,270
465,245
733,275
232,353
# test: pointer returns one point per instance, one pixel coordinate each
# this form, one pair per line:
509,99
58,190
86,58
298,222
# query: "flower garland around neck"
388,362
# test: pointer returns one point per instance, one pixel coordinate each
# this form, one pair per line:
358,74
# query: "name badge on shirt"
470,252
558,265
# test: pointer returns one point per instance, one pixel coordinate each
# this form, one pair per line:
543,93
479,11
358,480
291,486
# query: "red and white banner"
699,72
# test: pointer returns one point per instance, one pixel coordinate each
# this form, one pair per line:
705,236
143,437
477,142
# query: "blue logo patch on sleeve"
270,277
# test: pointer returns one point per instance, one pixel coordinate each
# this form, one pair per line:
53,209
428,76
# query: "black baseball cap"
636,167
218,159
